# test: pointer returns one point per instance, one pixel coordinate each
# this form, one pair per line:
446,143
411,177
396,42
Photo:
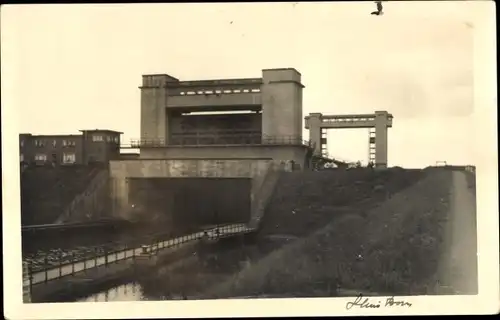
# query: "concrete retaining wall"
89,204
120,171
264,189
276,152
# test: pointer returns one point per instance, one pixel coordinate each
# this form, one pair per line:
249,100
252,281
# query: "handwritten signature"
366,303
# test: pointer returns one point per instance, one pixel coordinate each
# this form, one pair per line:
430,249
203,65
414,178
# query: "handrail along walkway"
73,267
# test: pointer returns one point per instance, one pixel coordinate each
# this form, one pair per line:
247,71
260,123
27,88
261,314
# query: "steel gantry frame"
377,123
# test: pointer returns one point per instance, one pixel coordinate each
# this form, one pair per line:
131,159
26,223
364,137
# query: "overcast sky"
78,67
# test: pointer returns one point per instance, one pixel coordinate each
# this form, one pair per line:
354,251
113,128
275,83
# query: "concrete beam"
209,100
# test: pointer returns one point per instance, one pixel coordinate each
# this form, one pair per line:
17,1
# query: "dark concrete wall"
46,192
189,202
204,129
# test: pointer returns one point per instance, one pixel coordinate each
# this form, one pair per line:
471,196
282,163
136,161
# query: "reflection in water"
210,266
126,292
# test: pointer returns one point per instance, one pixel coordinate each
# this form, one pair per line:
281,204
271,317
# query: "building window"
21,157
54,143
69,158
39,143
108,138
116,139
22,143
68,143
97,138
40,157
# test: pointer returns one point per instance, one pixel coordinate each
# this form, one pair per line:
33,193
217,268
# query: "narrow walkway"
74,268
116,269
40,292
458,268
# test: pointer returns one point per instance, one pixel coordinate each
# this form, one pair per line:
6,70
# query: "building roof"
69,135
161,74
49,135
102,130
278,69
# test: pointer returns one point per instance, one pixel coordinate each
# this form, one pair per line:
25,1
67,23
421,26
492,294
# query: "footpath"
82,282
458,272
78,281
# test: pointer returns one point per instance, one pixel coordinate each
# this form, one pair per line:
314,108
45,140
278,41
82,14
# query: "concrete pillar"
381,122
153,106
281,94
313,123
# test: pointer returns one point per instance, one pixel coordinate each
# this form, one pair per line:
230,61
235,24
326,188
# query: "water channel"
190,278
126,292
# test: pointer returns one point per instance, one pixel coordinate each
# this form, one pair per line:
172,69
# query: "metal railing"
470,168
441,163
75,225
69,267
444,164
89,252
197,140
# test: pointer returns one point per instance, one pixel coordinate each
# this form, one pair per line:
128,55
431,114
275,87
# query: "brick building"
91,146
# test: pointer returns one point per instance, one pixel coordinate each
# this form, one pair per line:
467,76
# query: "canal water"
126,292
132,291
190,280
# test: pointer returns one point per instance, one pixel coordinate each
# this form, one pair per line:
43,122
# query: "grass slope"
392,248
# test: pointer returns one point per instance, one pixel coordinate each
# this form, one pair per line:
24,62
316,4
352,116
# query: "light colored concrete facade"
281,94
274,114
277,96
276,152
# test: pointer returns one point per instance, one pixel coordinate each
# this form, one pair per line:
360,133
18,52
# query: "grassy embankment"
392,248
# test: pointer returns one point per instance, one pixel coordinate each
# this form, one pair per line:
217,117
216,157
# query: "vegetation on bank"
393,248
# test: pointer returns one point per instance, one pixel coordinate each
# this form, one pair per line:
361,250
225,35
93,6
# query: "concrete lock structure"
377,123
233,134
219,129
258,112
